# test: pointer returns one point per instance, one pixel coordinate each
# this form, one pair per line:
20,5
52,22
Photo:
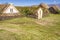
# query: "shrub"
26,12
58,11
45,12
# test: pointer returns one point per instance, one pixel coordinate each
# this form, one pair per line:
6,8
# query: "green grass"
24,28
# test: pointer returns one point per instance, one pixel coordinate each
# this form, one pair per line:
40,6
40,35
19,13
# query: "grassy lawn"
25,28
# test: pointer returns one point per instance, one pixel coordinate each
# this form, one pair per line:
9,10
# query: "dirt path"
44,22
19,31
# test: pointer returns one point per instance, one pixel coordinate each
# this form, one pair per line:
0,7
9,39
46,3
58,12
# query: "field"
25,28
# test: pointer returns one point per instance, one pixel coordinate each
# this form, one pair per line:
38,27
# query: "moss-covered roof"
55,7
43,5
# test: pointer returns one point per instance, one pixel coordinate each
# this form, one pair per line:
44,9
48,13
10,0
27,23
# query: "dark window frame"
11,10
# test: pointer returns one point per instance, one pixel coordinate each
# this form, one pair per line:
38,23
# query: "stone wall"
8,16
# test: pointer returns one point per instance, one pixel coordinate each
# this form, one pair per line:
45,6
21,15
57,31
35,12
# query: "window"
11,10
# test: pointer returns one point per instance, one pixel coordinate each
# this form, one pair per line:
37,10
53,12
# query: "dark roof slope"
3,7
54,9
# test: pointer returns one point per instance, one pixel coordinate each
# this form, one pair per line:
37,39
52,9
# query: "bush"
45,12
58,11
26,12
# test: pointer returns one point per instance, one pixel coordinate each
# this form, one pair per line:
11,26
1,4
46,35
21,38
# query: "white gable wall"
8,10
40,13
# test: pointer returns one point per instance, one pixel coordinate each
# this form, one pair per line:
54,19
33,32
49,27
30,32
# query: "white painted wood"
40,13
8,10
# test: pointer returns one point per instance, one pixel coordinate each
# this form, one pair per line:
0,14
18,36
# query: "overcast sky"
29,2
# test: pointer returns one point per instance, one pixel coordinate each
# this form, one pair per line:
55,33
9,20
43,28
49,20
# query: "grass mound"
26,28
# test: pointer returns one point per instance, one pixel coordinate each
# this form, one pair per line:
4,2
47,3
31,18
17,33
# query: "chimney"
10,3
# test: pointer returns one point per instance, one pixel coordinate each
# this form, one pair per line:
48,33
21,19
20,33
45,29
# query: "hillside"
54,4
33,9
26,28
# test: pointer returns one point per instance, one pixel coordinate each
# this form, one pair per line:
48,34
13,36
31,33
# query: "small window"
11,10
